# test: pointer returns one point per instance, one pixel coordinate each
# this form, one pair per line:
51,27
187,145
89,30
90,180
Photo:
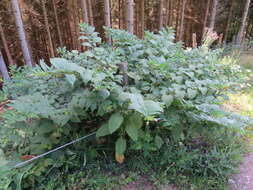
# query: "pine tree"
5,45
57,23
182,21
229,20
130,16
205,18
243,23
107,15
3,68
213,14
85,11
51,47
21,33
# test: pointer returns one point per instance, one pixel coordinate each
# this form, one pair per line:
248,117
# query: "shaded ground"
244,179
144,184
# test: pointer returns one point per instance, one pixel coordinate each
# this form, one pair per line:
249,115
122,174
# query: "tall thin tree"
57,23
3,68
213,14
205,18
107,15
142,18
51,47
182,21
5,45
161,14
91,18
130,16
85,11
243,23
229,20
21,33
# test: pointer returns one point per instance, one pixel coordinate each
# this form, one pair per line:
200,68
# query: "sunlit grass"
246,61
242,101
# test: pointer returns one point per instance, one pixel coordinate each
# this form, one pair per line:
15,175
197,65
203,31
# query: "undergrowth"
155,108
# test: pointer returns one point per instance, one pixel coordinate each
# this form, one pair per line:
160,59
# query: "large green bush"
172,94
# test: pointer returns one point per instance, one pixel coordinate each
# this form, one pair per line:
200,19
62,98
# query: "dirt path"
244,179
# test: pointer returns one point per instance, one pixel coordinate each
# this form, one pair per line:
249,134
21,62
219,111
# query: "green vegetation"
161,118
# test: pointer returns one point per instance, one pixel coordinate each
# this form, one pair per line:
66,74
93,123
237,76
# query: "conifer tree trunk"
120,14
130,16
3,68
243,23
177,19
167,12
91,18
85,11
213,14
171,13
229,20
161,15
142,18
51,47
76,23
6,49
21,33
205,18
72,24
57,23
182,21
107,16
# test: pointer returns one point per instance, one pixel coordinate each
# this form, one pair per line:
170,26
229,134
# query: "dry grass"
246,61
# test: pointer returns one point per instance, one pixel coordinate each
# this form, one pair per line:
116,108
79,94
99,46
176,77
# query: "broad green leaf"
132,132
120,146
180,94
191,93
167,99
146,107
86,75
71,79
103,131
203,90
114,122
158,141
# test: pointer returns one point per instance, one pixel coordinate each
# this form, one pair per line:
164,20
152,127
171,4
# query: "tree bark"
161,15
6,49
167,12
90,12
130,16
205,18
142,18
171,13
213,15
177,19
72,23
182,21
107,16
194,41
85,11
57,23
51,47
21,33
243,23
229,20
3,68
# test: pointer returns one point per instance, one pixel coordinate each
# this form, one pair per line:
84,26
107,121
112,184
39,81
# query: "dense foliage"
168,94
